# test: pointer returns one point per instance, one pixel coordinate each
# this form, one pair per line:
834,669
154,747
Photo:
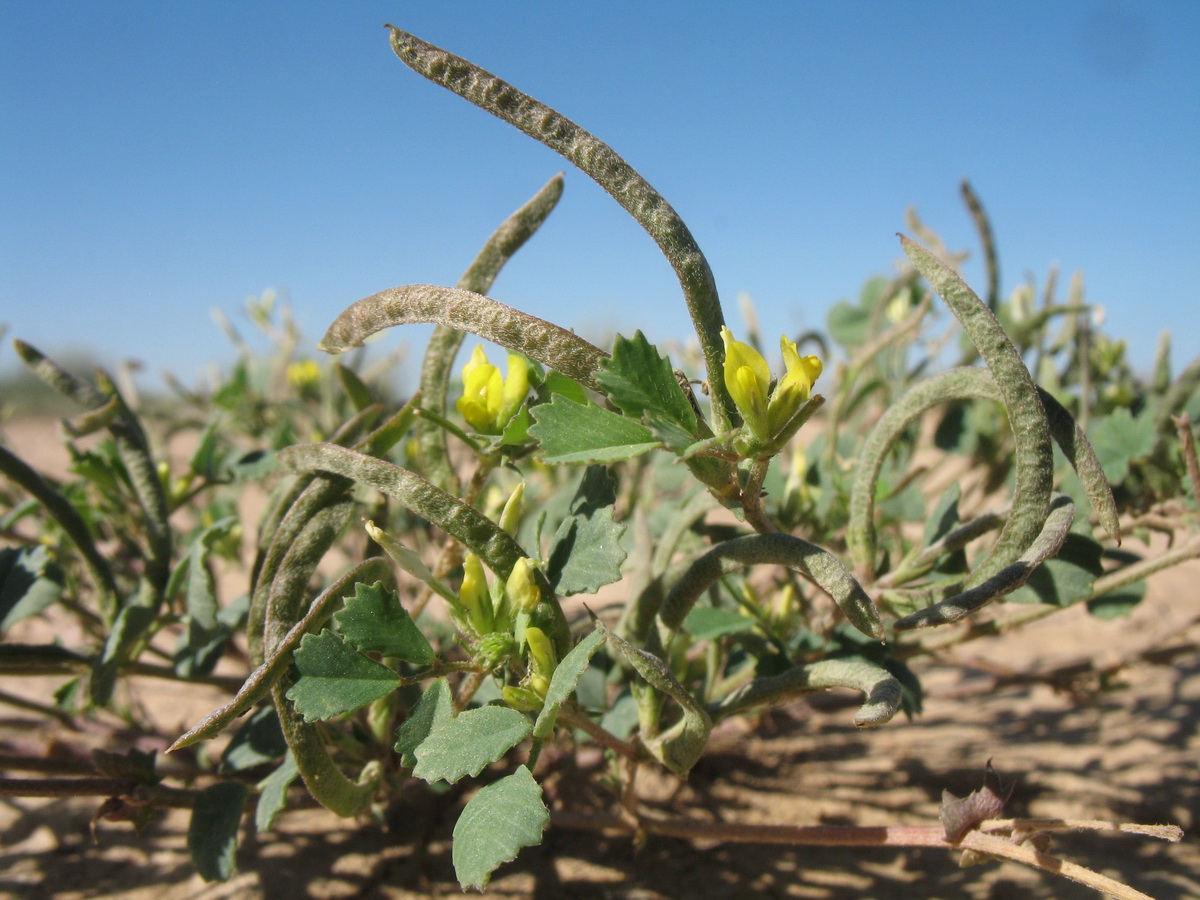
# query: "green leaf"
213,831
848,323
495,824
273,790
1118,603
1120,439
464,744
571,432
1066,577
199,649
435,707
258,741
562,683
374,621
29,582
131,625
945,516
335,678
586,553
707,622
641,382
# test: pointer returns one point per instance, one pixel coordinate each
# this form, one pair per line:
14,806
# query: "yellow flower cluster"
748,380
489,401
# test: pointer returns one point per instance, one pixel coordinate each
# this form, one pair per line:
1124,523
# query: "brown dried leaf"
959,816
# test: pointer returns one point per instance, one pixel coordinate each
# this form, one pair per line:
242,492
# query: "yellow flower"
304,373
794,388
748,379
489,400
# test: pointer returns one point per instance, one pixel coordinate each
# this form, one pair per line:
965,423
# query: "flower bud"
473,595
540,685
522,699
541,652
510,517
521,587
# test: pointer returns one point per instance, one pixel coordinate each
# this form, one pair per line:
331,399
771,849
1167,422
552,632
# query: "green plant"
727,519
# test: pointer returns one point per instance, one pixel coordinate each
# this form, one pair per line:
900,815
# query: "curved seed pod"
309,495
984,226
285,601
477,532
946,387
1008,579
604,166
1031,432
683,743
261,680
818,566
466,311
324,780
347,433
882,690
72,524
444,342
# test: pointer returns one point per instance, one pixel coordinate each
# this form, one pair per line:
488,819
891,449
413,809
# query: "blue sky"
161,159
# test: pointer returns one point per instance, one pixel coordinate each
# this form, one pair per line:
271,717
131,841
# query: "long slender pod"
72,525
947,387
882,691
444,342
1008,579
1031,431
466,311
984,226
819,566
286,601
479,534
261,680
601,163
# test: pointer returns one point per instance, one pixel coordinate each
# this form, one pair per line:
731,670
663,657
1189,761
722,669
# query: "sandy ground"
1128,754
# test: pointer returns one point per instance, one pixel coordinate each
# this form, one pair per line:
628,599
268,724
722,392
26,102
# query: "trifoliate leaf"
641,382
335,678
1120,439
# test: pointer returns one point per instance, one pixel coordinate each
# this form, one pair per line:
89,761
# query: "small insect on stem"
686,384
